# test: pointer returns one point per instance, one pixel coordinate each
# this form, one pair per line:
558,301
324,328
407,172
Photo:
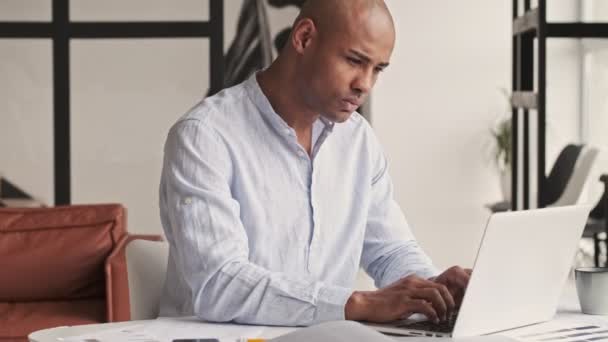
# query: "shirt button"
188,200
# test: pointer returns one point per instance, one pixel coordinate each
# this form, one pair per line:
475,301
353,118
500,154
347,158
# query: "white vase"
505,183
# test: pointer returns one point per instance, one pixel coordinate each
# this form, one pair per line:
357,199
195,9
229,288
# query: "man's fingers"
421,306
447,296
457,279
461,292
444,291
462,278
413,281
433,296
458,298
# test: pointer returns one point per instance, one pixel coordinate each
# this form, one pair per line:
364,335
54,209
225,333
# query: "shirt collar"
329,125
261,102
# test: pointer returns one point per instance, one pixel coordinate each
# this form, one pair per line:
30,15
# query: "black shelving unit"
530,27
61,30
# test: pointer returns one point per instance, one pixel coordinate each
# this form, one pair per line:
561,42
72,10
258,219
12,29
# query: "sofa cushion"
57,253
21,319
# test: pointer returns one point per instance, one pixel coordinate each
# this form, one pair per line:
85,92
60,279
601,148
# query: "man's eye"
354,60
378,70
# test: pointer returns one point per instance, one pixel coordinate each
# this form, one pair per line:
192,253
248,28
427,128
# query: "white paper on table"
563,330
347,331
133,333
336,331
168,329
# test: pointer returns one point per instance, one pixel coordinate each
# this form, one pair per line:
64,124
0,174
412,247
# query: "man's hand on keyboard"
456,280
401,299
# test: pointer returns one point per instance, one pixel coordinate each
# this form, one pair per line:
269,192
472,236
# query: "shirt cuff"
430,272
402,272
331,301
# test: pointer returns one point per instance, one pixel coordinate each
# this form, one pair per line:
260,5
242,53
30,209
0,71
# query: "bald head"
335,16
336,50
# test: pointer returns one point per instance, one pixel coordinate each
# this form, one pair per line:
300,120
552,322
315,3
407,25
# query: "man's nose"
363,83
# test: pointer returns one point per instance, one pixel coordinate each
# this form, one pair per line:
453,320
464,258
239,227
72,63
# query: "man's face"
341,67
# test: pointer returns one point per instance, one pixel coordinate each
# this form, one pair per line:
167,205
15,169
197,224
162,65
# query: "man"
274,192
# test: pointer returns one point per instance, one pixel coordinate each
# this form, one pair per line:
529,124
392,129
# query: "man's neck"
279,88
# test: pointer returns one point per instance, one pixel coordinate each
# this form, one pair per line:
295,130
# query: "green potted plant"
502,155
502,137
502,134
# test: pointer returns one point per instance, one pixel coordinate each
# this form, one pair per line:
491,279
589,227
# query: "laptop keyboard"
443,327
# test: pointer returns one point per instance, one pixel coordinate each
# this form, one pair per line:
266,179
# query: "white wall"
433,109
26,119
436,103
122,106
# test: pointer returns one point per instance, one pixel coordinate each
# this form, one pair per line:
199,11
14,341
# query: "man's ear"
302,34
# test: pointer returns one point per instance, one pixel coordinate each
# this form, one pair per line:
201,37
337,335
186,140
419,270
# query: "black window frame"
61,30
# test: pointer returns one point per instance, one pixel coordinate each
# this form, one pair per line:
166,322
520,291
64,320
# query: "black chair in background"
564,185
574,164
561,172
557,180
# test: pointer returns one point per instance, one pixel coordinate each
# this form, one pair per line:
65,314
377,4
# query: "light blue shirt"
260,232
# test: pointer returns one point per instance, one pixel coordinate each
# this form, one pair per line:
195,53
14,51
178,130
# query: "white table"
569,308
57,334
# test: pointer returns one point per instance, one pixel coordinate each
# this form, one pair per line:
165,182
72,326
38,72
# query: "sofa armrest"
117,281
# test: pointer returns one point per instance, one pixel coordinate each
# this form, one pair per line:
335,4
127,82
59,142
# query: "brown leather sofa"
54,268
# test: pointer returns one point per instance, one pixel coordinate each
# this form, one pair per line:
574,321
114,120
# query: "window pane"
26,116
125,97
562,10
139,10
595,11
25,10
562,96
596,79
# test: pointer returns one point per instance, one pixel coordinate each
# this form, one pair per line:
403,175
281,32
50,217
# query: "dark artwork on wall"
281,38
251,49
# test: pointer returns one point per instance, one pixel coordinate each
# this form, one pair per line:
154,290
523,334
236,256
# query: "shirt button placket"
316,228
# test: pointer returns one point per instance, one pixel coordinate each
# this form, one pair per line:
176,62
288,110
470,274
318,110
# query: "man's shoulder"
356,126
221,108
357,135
356,121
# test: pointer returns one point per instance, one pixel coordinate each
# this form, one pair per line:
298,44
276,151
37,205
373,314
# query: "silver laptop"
521,266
